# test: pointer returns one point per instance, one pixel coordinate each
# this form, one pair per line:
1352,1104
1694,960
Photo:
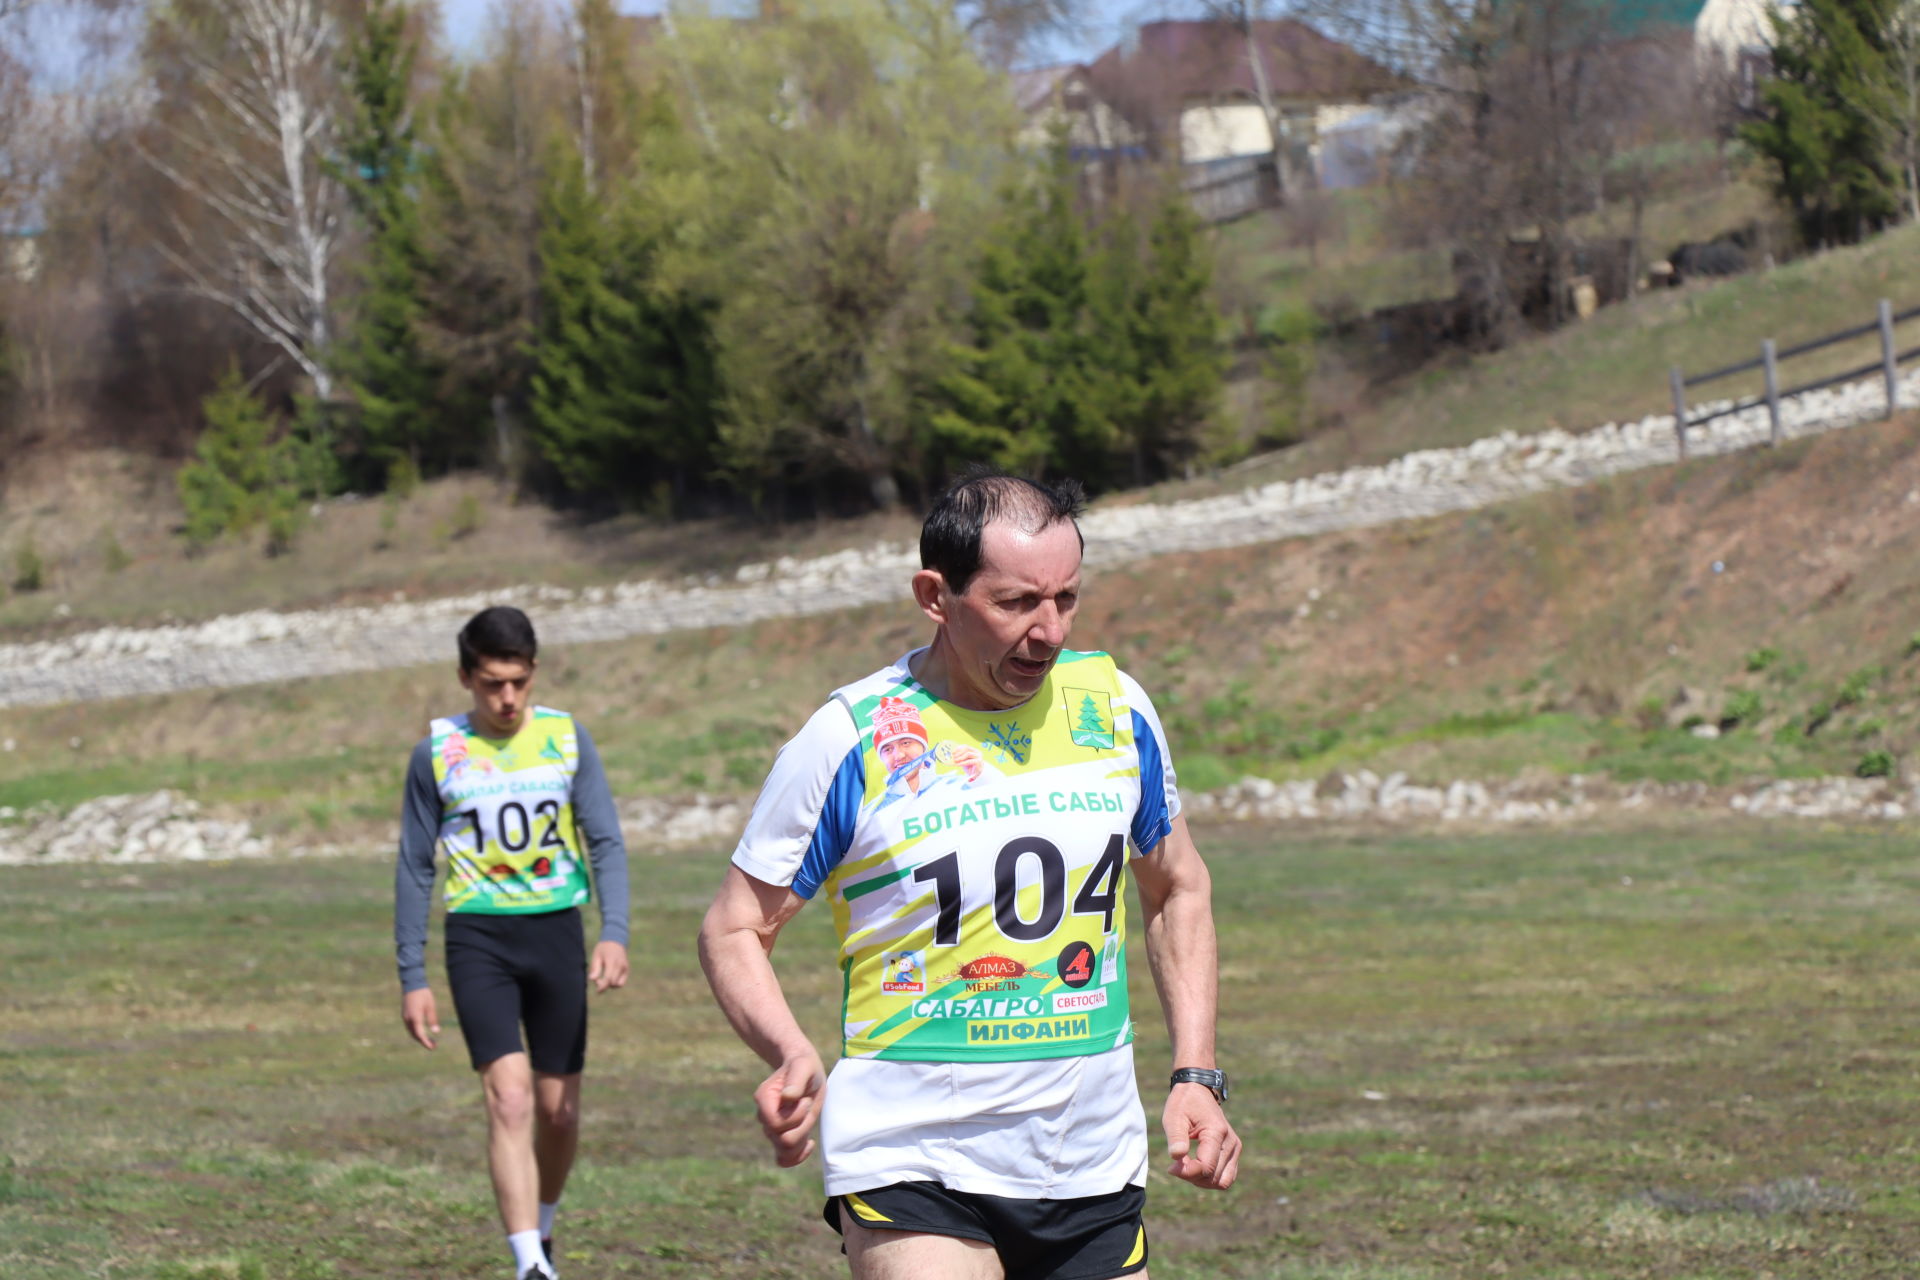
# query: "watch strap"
1213,1079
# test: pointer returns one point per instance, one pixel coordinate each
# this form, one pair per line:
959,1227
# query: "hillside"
1584,631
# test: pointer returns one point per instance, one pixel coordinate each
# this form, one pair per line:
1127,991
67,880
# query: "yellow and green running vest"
976,871
506,816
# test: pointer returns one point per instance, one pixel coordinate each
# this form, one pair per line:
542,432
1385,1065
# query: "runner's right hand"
789,1105
417,1014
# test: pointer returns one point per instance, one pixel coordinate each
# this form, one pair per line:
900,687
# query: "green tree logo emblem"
1092,719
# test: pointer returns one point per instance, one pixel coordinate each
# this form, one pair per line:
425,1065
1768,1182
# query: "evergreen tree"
623,384
1090,721
397,384
1831,156
1162,348
481,185
1025,392
245,472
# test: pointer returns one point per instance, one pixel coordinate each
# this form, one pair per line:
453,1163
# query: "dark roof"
1180,60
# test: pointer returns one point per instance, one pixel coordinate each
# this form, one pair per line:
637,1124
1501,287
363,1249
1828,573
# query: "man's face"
897,751
500,689
1011,622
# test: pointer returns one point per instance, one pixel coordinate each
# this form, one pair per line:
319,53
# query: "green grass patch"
1604,1053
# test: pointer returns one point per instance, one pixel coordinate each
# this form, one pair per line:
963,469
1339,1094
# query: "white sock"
546,1219
527,1252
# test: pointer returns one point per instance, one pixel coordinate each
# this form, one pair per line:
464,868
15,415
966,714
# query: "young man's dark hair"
950,538
501,631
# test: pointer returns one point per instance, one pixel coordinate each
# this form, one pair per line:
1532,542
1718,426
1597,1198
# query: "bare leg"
556,1130
507,1085
916,1255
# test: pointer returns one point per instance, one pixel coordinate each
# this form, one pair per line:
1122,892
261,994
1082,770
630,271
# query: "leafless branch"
248,147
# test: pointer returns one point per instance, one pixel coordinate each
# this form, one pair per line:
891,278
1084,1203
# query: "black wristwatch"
1214,1080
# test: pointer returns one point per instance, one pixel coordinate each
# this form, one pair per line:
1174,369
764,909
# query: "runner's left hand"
609,967
789,1104
1204,1147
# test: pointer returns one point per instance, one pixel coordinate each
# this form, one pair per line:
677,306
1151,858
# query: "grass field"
1676,1052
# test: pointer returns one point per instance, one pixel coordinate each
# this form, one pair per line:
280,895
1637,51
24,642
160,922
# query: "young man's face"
1013,619
500,689
895,752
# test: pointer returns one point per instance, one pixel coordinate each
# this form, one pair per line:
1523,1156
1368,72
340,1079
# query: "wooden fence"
1229,189
1770,360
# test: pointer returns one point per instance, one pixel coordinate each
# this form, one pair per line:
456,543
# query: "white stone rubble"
161,827
1365,796
264,645
166,827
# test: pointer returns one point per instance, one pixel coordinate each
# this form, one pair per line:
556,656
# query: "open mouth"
1029,667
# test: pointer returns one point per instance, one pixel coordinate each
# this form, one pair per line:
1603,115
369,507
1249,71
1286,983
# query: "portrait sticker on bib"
915,765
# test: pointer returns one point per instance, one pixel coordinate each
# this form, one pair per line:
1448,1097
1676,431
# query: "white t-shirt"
1046,1127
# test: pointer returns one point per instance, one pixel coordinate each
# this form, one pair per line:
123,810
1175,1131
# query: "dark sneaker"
546,1247
538,1273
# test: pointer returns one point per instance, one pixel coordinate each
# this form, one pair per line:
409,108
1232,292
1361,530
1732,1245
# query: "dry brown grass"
355,551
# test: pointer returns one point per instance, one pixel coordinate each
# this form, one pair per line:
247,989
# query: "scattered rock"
167,827
1363,796
161,827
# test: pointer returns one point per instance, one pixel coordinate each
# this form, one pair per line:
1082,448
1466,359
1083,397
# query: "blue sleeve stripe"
1151,821
833,833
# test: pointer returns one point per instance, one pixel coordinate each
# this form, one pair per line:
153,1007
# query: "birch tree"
246,127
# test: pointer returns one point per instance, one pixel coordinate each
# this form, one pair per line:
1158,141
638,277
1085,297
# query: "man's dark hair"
950,538
497,633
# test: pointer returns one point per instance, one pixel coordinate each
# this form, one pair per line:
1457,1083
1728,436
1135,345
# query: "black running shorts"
1093,1238
510,970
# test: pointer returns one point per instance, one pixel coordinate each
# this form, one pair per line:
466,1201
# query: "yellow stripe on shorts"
1139,1247
865,1210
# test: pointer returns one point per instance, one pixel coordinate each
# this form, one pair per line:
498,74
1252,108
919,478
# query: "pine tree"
1024,392
245,471
1157,335
623,386
1090,721
1831,156
396,384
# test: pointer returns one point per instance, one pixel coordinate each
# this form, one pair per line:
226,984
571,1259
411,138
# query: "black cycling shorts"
1092,1238
510,970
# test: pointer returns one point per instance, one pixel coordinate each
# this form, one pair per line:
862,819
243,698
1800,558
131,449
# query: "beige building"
1192,86
1728,33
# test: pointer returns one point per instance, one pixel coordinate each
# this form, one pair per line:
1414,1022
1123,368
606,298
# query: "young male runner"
984,1120
513,794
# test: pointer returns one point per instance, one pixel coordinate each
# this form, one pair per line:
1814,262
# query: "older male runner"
984,1120
513,794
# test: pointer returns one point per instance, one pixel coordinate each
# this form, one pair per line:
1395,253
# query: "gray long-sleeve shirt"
420,833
